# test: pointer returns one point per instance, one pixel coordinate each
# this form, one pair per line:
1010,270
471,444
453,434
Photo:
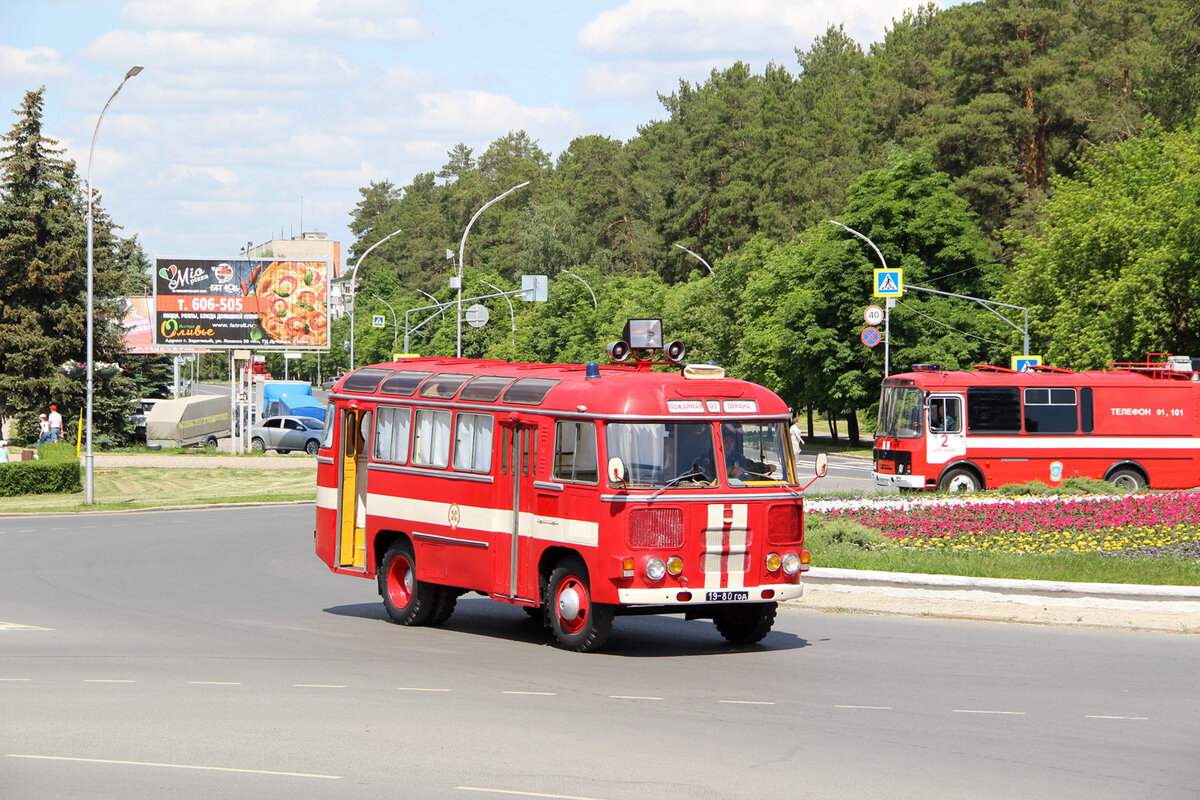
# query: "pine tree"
43,284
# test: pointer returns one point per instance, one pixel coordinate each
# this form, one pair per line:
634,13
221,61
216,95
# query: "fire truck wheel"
408,601
959,480
1127,479
444,600
577,622
745,624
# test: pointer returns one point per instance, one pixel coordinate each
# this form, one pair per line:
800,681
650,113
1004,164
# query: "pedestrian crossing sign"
377,321
889,283
1026,363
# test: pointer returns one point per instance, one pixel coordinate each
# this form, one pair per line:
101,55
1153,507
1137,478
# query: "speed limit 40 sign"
873,315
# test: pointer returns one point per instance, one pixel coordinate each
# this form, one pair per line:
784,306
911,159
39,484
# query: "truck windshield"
663,453
754,451
900,413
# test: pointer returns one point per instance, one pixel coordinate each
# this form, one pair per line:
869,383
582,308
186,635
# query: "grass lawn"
123,488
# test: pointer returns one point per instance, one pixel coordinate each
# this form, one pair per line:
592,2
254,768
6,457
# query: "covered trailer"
188,420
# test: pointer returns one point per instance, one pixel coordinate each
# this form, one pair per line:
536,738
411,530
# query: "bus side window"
575,452
945,416
473,442
391,434
994,409
431,442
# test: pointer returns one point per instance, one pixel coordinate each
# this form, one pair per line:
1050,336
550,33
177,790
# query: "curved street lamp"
702,261
354,289
89,483
461,247
585,283
395,328
511,312
887,317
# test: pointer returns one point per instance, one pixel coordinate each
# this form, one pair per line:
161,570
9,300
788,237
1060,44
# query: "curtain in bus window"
391,434
1051,411
641,446
473,443
431,443
383,434
994,409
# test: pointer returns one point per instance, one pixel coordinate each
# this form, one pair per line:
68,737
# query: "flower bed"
1142,525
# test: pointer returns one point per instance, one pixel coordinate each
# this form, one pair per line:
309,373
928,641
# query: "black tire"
258,445
577,623
211,442
312,447
745,623
444,600
535,613
1129,480
408,601
959,479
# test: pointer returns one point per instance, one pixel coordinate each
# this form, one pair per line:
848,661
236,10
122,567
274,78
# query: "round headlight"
772,562
674,565
655,569
791,563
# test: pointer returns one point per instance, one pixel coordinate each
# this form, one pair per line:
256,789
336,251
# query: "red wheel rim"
400,581
572,591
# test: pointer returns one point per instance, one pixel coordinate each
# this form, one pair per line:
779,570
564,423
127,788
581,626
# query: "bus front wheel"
745,624
578,623
959,480
408,601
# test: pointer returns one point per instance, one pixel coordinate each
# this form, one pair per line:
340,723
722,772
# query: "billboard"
138,329
259,303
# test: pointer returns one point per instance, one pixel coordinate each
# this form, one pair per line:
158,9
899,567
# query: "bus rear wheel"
745,624
1129,480
408,601
959,480
578,623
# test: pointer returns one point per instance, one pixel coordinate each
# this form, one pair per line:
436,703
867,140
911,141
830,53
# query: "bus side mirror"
822,464
616,470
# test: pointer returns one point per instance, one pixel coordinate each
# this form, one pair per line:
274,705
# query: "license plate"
886,467
724,597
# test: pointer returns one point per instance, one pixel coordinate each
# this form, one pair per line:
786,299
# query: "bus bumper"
899,481
699,596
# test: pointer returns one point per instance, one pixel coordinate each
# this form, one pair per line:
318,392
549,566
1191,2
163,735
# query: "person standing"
797,439
43,433
55,420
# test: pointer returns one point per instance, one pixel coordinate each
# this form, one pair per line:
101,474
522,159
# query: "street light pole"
887,313
585,283
511,313
701,260
89,462
462,245
354,289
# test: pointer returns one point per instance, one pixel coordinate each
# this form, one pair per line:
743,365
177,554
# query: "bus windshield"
663,453
754,451
900,413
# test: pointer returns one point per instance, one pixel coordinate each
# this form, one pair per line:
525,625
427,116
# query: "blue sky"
250,113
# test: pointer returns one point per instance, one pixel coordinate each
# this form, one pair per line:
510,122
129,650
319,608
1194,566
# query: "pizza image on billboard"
291,306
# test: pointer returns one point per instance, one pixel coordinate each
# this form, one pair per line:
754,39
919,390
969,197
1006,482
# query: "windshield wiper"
679,479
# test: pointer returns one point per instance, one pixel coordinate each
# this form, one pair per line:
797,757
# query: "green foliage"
56,471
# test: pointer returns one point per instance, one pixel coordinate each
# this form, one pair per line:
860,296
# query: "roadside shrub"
55,472
819,530
1031,488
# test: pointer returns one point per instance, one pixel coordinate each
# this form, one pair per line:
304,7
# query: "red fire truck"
574,491
1134,424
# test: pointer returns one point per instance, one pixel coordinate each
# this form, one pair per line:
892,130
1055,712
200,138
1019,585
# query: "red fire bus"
1134,424
574,491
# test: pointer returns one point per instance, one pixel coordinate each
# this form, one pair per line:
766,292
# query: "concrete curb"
1131,597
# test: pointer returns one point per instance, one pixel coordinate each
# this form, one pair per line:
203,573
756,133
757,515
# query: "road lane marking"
17,626
748,702
631,697
214,683
109,680
515,793
418,689
1112,716
15,680
867,708
318,686
535,694
987,711
176,766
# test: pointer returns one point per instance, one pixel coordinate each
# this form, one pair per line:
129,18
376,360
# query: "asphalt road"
209,654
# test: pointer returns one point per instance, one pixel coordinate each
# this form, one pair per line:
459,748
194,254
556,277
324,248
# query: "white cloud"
181,173
485,113
20,66
354,20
